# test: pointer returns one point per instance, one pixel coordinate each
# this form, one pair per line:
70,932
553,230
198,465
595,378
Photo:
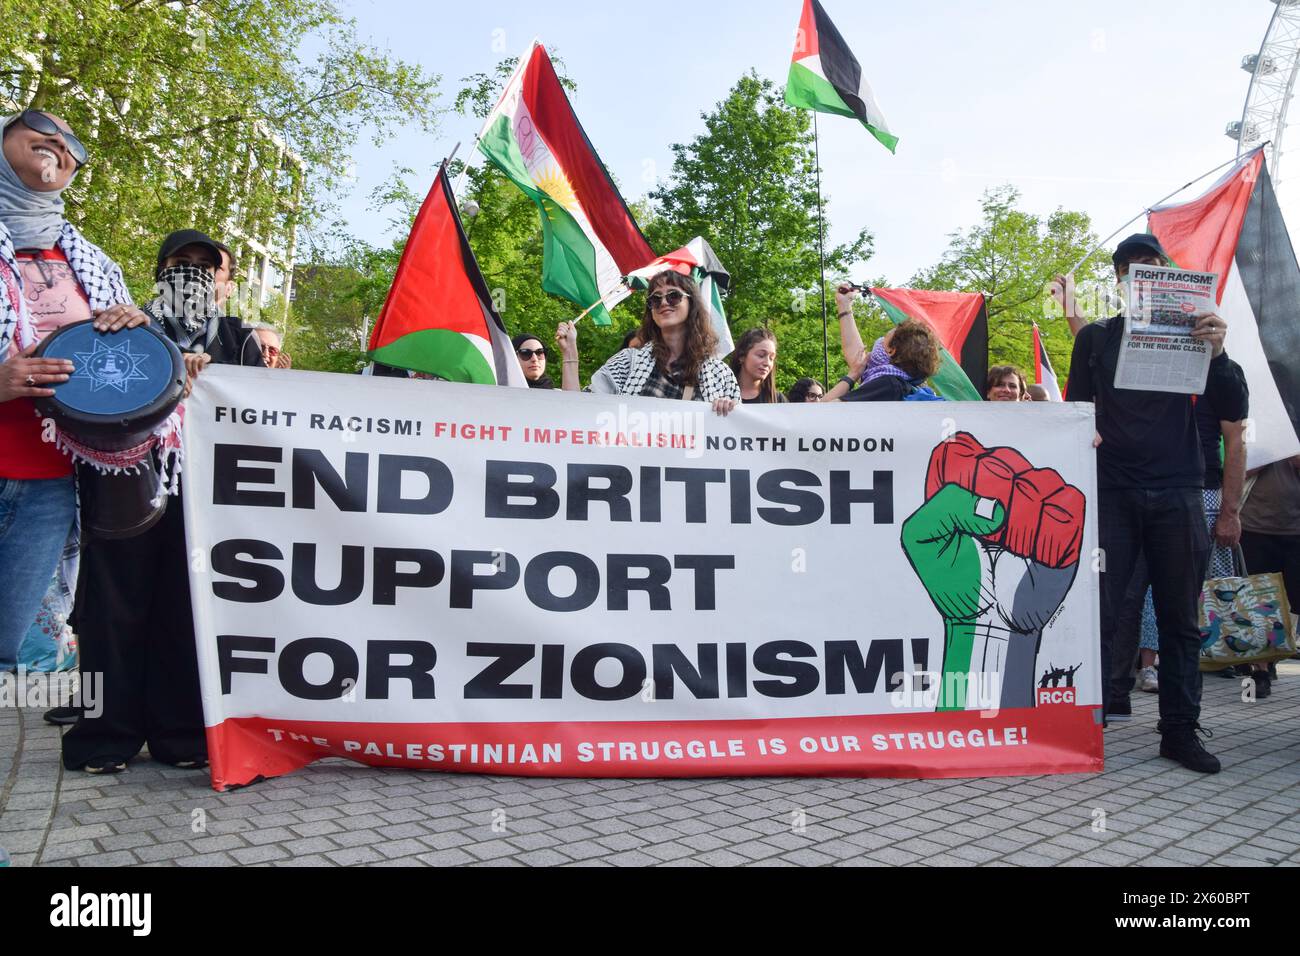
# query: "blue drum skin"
123,386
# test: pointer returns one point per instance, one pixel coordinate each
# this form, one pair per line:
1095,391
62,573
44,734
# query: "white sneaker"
1147,680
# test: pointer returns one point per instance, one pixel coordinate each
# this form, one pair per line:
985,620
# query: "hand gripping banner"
459,577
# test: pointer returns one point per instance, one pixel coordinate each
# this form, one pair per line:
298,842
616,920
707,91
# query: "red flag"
438,317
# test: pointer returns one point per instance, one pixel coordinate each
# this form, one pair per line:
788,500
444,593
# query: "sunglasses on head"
526,354
672,298
40,123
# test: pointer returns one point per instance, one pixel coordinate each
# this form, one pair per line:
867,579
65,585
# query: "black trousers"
136,633
1128,632
1167,525
1271,553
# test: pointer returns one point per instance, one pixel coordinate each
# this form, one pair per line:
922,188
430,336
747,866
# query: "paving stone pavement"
1142,811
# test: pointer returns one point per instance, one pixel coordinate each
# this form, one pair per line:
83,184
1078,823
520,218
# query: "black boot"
1180,744
1120,710
1263,686
62,716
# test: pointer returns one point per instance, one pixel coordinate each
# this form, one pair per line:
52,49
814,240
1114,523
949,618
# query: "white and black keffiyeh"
100,277
187,305
628,372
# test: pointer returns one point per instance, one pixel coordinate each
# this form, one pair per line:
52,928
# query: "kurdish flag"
961,322
825,75
590,240
697,260
1236,229
438,317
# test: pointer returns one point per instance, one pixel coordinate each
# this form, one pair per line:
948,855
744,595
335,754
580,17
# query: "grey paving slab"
1141,811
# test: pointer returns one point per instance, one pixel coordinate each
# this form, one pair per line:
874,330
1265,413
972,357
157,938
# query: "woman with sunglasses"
677,360
50,276
532,358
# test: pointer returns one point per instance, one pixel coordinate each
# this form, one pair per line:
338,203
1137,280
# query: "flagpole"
821,256
591,308
1101,245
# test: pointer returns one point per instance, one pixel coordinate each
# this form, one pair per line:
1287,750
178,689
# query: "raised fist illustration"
996,545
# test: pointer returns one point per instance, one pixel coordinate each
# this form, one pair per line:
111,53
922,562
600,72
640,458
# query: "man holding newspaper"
1141,370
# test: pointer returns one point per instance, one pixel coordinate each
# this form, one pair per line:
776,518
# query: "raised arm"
566,337
850,337
1062,290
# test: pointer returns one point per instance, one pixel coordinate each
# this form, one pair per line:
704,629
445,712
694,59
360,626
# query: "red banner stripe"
1059,738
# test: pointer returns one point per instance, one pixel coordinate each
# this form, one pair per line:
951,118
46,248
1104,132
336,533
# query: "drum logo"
111,366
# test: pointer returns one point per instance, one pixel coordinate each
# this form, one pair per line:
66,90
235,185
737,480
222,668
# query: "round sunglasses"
38,122
671,299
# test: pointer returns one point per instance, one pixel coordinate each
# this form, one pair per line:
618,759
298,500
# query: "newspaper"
1158,353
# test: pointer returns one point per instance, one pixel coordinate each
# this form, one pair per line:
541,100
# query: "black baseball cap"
181,238
1135,245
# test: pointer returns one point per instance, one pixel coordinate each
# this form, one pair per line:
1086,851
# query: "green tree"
1011,256
748,184
333,296
168,96
339,295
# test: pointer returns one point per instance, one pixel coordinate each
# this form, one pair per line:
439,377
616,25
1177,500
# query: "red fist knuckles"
1044,514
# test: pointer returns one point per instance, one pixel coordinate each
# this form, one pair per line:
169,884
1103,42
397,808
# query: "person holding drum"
137,625
50,277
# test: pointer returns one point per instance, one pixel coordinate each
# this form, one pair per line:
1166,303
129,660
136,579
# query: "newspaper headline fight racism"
1157,352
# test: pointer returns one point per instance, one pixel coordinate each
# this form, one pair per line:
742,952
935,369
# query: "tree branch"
332,95
162,138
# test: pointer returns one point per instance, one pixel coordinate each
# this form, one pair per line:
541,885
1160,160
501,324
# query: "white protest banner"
457,577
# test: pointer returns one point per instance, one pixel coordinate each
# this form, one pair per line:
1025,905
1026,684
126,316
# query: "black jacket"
236,345
886,388
1148,439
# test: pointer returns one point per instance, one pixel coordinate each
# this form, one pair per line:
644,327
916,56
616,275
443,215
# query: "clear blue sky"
1102,106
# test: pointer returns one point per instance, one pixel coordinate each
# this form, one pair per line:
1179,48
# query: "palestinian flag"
1236,229
438,317
1044,374
962,324
697,260
590,240
826,77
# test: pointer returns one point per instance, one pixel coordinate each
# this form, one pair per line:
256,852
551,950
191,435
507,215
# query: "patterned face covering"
187,303
879,364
